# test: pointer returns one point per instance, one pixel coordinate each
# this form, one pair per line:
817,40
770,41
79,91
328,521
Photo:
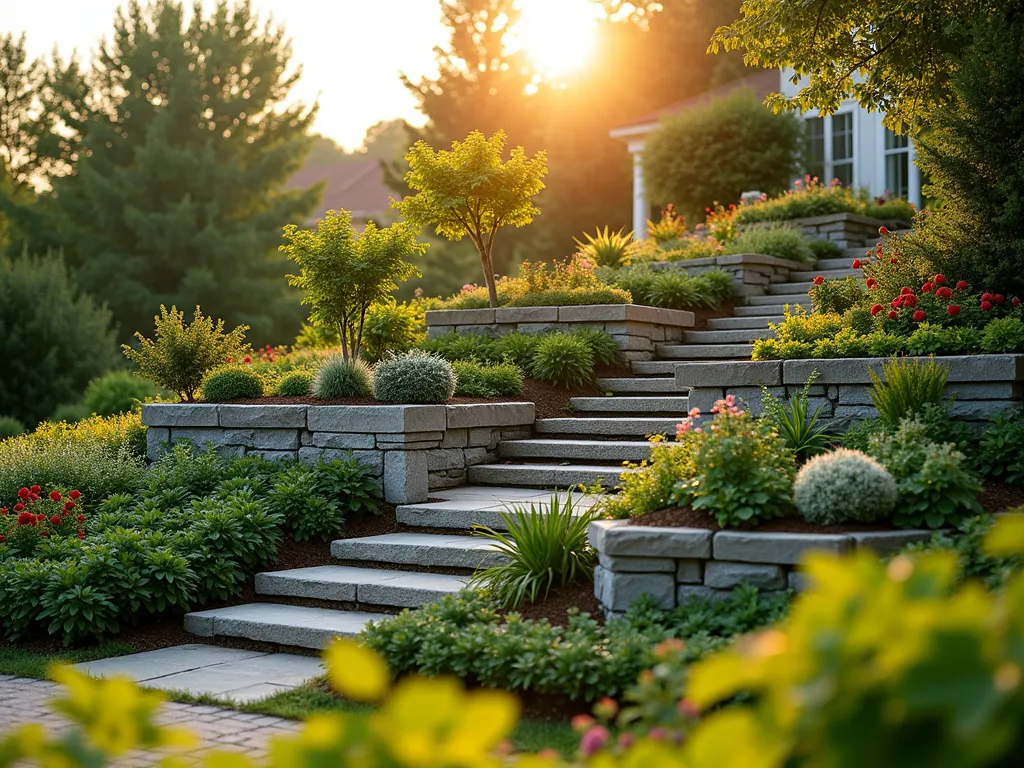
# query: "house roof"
762,83
355,185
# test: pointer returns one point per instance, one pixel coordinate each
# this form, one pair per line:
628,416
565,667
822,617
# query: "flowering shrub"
743,470
811,197
671,226
37,515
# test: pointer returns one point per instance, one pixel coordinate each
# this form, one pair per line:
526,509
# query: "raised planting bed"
983,386
674,564
846,230
637,329
411,449
752,273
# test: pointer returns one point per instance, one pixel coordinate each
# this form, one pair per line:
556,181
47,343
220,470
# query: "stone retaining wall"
752,273
412,449
846,230
636,329
674,564
983,386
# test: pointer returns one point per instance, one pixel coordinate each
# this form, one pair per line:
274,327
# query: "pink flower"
658,734
694,413
581,723
730,400
688,709
682,429
593,740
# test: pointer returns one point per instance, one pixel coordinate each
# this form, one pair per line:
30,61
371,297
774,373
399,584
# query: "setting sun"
557,35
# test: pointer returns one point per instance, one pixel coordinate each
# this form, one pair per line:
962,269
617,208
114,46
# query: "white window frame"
886,153
829,161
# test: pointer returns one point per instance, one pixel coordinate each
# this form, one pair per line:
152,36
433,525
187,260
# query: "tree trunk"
492,290
344,340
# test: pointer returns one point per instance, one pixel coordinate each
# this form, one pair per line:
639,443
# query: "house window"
842,148
897,164
829,148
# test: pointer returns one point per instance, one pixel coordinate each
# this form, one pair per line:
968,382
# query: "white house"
851,145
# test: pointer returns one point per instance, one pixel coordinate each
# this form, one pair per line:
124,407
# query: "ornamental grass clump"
414,377
338,377
563,359
844,487
909,385
232,383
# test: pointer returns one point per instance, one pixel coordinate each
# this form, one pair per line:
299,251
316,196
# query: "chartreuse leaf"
1006,537
735,738
356,672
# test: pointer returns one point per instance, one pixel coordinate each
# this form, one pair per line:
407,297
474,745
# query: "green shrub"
601,343
117,392
563,359
718,151
295,384
652,485
546,547
182,354
743,470
672,288
811,197
231,383
909,385
846,343
414,377
1001,453
316,500
836,296
1004,334
824,249
779,241
338,377
517,348
844,487
966,541
10,427
479,380
936,487
582,661
392,327
71,413
53,341
800,430
929,339
607,248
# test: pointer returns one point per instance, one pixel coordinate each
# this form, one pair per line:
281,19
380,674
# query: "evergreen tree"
973,154
179,196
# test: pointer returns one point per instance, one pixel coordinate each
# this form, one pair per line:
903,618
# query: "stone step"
705,351
607,426
290,625
584,450
545,475
790,289
767,310
776,302
638,384
341,583
840,262
629,404
740,336
654,368
471,506
442,551
838,274
735,323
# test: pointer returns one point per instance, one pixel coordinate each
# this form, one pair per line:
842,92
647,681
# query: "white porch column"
641,208
913,176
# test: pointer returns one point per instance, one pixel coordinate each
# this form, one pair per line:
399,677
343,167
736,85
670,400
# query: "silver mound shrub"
844,487
414,377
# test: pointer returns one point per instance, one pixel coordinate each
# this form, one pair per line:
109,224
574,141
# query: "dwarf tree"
343,273
471,190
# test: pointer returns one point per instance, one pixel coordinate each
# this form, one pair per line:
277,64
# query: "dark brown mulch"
999,497
555,607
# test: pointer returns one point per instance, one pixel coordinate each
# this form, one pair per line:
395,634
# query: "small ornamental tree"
182,354
343,273
470,190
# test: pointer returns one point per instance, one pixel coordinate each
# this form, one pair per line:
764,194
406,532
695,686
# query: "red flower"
927,287
54,496
986,297
940,278
68,506
2,538
892,260
4,510
986,306
896,303
81,518
819,280
871,282
18,507
944,292
883,231
906,291
55,520
1016,302
920,316
961,285
999,299
24,493
876,309
35,489
40,516
44,533
910,301
75,495
856,263
81,534
35,497
247,359
892,314
26,518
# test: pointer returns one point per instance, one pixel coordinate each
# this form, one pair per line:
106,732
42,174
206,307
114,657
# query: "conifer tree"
179,196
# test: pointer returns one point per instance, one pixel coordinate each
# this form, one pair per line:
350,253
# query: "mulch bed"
994,497
555,607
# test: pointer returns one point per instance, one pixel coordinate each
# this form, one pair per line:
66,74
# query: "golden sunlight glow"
557,36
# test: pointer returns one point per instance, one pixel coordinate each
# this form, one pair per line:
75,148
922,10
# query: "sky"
352,51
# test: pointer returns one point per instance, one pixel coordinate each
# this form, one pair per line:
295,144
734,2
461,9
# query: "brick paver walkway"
27,701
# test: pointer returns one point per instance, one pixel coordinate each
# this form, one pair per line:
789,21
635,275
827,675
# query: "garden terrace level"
410,449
